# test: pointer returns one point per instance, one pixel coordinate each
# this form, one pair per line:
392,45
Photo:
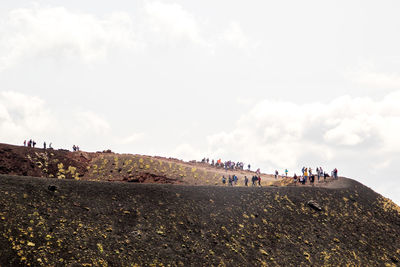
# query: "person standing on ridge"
335,172
44,145
312,178
286,172
305,175
276,174
246,181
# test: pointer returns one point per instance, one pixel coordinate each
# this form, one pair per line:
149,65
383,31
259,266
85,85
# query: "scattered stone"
314,205
52,188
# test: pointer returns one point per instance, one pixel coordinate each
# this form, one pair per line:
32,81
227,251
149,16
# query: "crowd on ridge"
227,165
307,175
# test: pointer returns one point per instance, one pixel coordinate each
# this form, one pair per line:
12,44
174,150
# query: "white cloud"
133,138
56,32
367,75
89,122
22,117
235,35
291,132
172,23
61,34
187,152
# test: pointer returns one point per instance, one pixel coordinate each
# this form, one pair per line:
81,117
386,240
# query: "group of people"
32,143
307,174
233,180
227,165
310,176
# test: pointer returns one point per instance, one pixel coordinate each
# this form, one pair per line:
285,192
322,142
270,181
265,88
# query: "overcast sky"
277,84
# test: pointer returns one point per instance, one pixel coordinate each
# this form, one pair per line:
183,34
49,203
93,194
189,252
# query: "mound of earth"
57,222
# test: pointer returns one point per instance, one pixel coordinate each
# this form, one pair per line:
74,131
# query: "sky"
277,84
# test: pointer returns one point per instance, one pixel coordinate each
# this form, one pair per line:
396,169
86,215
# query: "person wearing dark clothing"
259,180
44,145
312,177
246,181
223,180
335,172
229,181
253,180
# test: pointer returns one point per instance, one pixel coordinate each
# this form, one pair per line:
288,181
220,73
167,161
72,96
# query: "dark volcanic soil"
78,223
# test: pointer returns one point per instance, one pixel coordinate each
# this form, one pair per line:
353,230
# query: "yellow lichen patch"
60,167
307,255
71,170
388,205
100,247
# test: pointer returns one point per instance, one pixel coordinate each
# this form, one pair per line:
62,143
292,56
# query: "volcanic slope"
108,166
51,222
